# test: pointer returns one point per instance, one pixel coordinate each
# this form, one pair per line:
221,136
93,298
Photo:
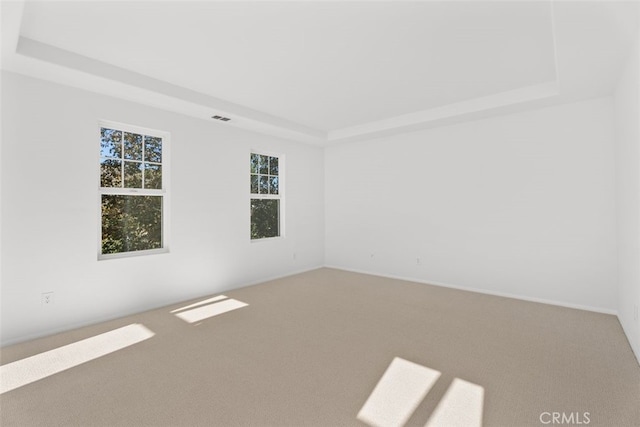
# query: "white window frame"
164,191
280,196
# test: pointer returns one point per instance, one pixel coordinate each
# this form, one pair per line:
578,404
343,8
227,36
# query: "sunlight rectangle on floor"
398,393
203,302
461,405
25,371
201,313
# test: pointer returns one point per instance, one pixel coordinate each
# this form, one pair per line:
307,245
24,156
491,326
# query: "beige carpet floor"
308,350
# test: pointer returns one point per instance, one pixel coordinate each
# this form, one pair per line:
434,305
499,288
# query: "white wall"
520,205
50,211
627,115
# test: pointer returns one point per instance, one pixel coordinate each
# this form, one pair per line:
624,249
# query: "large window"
266,196
133,190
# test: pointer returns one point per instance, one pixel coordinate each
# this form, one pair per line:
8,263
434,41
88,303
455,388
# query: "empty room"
320,213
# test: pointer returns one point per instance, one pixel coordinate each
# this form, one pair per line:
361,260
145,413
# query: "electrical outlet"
635,312
295,256
47,298
418,261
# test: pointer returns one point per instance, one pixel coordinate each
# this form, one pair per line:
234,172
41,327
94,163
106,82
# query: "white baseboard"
293,273
97,320
269,279
635,346
481,291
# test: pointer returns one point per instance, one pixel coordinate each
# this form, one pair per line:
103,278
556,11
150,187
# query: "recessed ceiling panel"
327,65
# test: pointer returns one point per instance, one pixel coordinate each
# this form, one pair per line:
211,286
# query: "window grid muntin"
255,171
269,176
142,162
162,140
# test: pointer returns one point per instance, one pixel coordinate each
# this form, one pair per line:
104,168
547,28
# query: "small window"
133,190
266,195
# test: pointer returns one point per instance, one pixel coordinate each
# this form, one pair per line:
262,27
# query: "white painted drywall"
517,205
627,114
50,211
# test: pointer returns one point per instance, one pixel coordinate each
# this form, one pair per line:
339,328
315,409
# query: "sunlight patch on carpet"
460,406
404,386
197,304
398,393
25,371
215,309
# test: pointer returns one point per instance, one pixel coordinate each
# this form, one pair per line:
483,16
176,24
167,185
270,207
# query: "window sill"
266,239
121,255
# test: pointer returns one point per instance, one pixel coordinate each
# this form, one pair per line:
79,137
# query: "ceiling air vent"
224,119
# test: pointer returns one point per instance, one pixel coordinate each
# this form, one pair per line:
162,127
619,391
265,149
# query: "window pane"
254,184
152,176
273,185
255,161
132,146
152,149
110,143
264,164
132,175
131,223
264,184
110,173
273,166
265,220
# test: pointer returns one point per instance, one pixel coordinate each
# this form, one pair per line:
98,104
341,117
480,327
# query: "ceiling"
324,72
